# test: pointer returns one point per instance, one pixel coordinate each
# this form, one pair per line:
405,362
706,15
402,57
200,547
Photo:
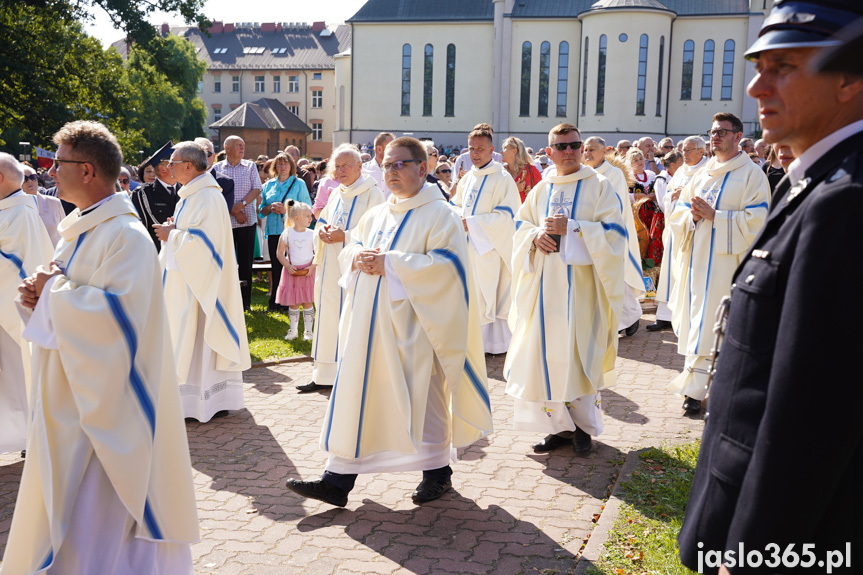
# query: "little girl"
297,285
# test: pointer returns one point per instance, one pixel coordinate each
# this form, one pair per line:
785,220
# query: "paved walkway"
512,511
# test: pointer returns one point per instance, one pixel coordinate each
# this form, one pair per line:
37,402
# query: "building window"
584,78
293,84
600,75
524,108
317,132
406,80
317,98
428,73
544,70
217,84
727,70
562,77
200,86
316,76
260,82
642,76
295,110
450,80
217,114
707,71
688,63
277,84
235,84
659,80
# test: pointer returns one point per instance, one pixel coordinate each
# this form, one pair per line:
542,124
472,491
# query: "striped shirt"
246,178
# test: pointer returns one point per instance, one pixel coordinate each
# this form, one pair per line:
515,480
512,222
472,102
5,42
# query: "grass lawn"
267,330
644,537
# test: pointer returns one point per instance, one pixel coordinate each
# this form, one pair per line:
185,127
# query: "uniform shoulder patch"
836,175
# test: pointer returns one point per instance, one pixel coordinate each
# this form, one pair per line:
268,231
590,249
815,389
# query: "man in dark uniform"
776,468
156,201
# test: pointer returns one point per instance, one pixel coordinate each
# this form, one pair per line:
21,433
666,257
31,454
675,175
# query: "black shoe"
23,454
551,442
320,490
220,414
691,406
311,386
429,490
581,442
630,331
659,325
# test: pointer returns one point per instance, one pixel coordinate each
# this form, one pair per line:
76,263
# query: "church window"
707,71
562,77
659,80
406,80
642,76
450,80
728,70
428,76
524,107
688,62
584,78
544,71
600,75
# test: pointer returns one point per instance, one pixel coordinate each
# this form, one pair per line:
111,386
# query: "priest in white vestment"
567,300
594,156
411,382
486,199
693,160
107,483
718,215
202,292
346,205
24,244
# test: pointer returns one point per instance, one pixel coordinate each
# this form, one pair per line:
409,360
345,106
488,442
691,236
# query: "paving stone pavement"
511,511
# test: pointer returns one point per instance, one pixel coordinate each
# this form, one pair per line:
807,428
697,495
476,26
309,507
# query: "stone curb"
593,549
295,359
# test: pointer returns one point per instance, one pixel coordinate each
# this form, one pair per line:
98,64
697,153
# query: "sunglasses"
32,177
560,147
209,154
445,171
123,181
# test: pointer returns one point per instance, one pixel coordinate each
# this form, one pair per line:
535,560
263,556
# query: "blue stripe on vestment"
366,373
16,261
506,209
150,520
138,387
322,221
458,268
209,244
542,340
753,206
478,194
477,384
709,263
74,252
48,560
518,224
234,335
615,228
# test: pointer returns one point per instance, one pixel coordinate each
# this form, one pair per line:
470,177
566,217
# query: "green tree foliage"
51,73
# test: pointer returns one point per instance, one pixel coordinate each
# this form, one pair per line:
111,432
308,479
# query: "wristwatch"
244,203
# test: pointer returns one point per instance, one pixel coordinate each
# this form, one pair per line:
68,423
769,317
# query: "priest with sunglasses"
568,280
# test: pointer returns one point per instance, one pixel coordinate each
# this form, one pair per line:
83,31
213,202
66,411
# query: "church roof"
263,114
413,11
573,8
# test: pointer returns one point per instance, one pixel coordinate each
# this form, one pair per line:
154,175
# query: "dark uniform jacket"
782,453
155,205
227,185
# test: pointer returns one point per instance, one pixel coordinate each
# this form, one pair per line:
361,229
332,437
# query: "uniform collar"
801,164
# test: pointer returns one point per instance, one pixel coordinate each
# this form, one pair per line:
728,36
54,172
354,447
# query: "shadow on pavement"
267,380
243,457
621,408
643,347
10,479
452,533
592,474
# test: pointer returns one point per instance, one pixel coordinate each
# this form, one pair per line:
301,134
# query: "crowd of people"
408,268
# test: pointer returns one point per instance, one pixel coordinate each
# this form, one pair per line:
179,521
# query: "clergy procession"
133,329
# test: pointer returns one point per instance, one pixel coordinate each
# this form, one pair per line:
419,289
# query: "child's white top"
301,245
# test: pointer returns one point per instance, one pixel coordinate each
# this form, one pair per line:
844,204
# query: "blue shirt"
274,192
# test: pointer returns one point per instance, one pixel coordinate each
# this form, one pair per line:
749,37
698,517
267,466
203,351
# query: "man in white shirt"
463,163
373,167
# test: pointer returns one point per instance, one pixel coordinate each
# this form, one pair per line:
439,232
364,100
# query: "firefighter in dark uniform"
156,201
778,465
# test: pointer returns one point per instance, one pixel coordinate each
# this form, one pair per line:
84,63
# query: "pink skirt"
294,290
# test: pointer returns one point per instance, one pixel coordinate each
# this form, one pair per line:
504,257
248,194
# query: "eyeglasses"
399,165
720,132
560,147
444,171
32,177
172,162
689,150
60,162
668,147
209,154
433,154
123,181
624,147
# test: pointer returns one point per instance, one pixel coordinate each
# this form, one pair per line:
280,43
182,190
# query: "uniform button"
749,278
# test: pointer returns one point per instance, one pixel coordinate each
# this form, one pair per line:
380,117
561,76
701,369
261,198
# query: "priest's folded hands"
31,288
370,262
555,225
